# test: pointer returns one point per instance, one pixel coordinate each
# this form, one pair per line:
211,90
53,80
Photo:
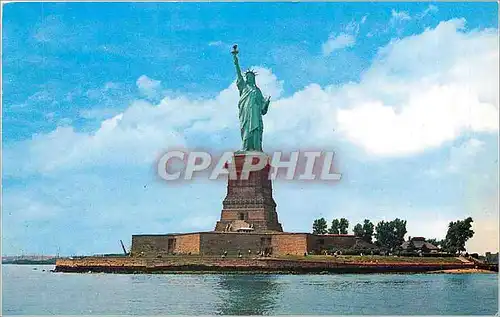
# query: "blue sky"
405,93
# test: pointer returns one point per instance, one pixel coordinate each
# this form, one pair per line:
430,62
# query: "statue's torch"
235,50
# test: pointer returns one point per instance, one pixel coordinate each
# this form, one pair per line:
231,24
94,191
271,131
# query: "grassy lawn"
194,259
372,258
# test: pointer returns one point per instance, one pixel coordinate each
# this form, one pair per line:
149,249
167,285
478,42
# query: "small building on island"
419,244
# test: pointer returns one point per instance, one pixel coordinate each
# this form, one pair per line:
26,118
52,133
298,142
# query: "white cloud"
123,139
216,43
337,42
424,90
430,117
98,113
399,16
429,10
148,87
419,93
345,39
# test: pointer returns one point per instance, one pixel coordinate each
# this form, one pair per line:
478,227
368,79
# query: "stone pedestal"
249,205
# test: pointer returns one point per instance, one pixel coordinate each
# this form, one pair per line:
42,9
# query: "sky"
406,94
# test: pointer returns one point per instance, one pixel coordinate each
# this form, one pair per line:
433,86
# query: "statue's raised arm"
237,65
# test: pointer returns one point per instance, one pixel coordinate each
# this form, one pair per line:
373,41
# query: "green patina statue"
252,106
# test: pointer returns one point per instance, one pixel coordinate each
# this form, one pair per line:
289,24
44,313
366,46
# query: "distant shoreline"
31,262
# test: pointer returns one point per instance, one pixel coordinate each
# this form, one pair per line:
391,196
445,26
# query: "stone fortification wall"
215,264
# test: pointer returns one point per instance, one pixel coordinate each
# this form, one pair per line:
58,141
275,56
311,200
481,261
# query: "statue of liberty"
252,106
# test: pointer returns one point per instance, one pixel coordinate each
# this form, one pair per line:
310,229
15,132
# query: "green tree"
368,229
383,234
390,234
343,225
320,226
335,227
365,230
458,233
358,230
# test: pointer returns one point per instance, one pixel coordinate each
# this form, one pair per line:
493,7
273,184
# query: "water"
26,291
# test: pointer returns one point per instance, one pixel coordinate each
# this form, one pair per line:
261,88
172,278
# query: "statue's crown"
251,71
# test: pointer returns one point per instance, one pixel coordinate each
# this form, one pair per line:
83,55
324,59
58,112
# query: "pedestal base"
249,205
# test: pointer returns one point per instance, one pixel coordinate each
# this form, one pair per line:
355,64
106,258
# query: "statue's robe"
252,106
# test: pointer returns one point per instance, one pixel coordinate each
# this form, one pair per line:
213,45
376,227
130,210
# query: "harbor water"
34,290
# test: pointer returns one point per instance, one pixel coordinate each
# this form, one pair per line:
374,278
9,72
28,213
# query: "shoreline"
265,272
184,265
456,271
